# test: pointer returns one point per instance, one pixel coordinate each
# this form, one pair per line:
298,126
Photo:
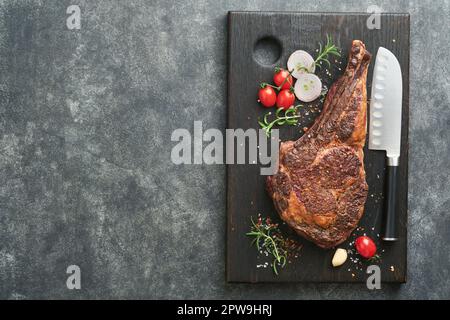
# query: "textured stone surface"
85,171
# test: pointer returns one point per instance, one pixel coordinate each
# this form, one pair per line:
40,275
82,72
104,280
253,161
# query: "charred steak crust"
320,188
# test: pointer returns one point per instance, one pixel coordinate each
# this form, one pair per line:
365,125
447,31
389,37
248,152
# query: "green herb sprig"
375,259
265,237
328,49
290,117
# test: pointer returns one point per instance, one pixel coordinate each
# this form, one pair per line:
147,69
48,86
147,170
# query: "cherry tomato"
267,96
285,99
279,77
365,246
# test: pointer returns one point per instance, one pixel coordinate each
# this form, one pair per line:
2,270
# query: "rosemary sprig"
289,117
265,236
329,49
375,259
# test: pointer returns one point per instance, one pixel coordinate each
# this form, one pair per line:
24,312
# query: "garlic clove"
339,258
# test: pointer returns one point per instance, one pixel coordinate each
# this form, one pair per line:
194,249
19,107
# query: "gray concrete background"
85,171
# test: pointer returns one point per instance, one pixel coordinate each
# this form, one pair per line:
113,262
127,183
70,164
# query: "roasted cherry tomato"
267,96
280,75
285,99
365,247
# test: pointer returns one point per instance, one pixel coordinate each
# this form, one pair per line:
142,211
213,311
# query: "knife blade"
385,129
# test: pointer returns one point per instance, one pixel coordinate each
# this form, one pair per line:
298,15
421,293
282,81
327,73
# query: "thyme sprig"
290,117
328,49
266,236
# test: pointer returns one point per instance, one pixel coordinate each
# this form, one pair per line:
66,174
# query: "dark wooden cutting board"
249,64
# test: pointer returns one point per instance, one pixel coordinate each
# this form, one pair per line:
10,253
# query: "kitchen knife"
385,129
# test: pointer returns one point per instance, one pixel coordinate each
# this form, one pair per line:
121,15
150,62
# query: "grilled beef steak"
320,188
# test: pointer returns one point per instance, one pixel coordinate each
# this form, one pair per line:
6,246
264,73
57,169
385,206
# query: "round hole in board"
267,51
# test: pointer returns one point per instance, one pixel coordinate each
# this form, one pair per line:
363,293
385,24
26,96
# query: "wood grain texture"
246,194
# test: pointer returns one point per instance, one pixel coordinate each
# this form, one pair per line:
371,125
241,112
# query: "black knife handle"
390,204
